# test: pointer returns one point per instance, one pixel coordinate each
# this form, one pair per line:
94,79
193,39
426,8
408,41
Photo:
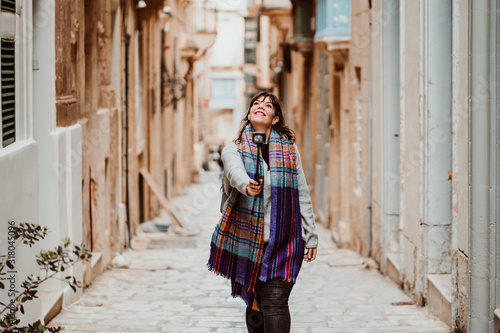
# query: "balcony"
333,20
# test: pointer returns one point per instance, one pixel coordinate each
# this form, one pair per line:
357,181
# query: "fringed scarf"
237,247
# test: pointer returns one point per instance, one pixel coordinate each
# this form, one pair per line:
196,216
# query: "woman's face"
262,114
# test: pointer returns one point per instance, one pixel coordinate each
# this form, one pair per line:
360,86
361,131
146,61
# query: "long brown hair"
279,127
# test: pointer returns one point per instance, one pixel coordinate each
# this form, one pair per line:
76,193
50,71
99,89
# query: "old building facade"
100,122
393,105
137,111
433,119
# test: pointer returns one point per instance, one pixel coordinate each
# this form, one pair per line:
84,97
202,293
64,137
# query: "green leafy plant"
51,263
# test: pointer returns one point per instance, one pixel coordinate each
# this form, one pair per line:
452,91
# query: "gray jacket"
236,177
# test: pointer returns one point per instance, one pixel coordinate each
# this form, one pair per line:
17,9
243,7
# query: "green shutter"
8,91
8,5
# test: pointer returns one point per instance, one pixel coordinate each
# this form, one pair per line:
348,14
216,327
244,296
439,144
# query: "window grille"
8,91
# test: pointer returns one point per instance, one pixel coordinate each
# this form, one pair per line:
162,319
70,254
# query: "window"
16,67
224,87
8,94
250,79
224,93
7,81
8,5
333,19
251,34
250,56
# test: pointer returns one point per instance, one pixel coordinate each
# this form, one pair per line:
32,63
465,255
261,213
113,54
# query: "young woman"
267,227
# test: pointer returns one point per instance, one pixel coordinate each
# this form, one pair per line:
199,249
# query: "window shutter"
8,91
8,5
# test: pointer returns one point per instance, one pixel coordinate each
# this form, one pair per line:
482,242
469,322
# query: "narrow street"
167,287
115,112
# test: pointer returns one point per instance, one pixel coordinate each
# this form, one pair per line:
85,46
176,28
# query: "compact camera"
259,138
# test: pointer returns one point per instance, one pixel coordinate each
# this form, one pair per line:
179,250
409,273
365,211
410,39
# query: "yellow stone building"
102,124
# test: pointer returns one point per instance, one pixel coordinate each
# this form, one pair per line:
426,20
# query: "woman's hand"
310,254
253,188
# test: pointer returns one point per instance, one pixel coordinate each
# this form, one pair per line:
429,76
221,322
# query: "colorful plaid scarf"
237,247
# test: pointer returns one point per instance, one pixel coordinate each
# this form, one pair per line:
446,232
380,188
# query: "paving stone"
169,289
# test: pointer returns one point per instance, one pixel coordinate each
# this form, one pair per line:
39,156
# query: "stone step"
439,296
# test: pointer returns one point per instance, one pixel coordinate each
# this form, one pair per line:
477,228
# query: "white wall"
228,47
60,149
19,161
19,203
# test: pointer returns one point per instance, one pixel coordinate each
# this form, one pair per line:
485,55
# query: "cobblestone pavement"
167,288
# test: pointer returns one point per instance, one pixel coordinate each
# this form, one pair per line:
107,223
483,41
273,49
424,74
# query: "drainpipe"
127,194
370,148
90,211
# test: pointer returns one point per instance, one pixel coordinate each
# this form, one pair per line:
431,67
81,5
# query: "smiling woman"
262,115
266,225
266,103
